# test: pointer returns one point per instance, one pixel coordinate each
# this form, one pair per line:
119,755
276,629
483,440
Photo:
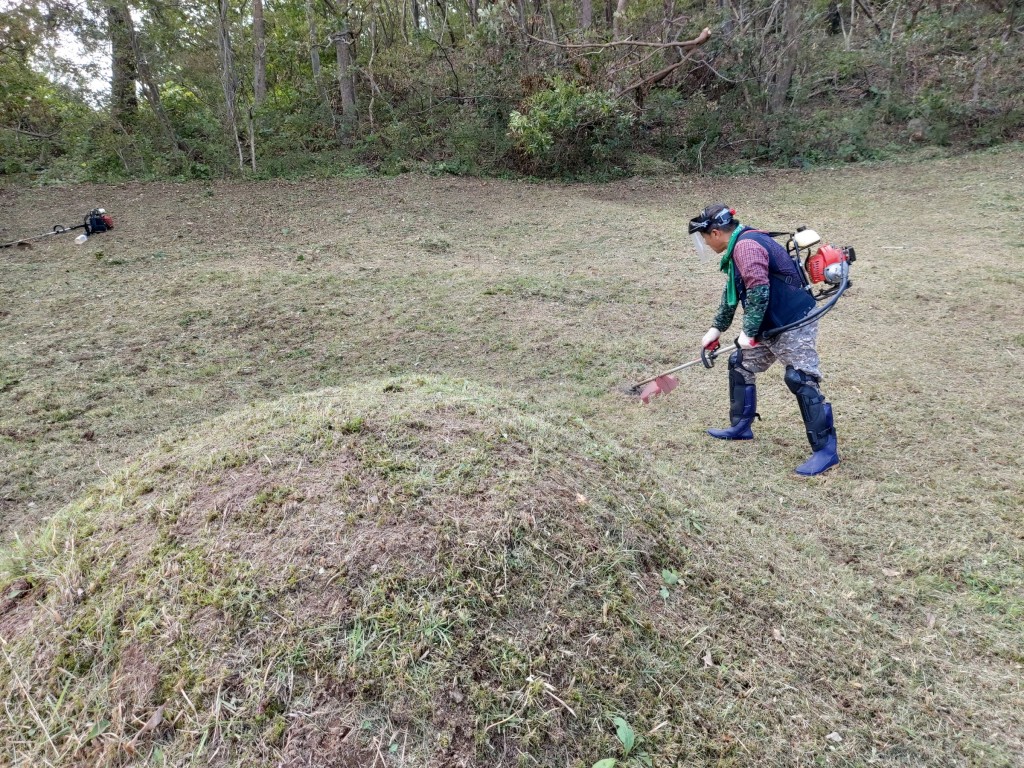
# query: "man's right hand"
710,340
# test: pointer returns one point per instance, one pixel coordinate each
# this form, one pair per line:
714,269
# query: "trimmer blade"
660,386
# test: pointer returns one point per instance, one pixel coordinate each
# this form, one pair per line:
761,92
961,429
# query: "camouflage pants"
795,348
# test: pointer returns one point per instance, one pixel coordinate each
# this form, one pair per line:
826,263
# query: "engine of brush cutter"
98,220
830,264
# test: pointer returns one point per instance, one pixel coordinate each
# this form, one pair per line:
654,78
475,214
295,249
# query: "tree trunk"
725,6
346,75
152,94
672,55
787,57
551,21
259,65
314,53
834,18
229,79
124,105
442,12
374,90
252,137
586,14
619,19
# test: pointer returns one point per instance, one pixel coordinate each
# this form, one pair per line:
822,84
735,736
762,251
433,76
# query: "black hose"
812,316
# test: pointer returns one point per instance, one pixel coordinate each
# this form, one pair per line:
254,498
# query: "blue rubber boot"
742,407
817,416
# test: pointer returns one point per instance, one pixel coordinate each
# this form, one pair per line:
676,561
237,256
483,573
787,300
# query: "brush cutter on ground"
97,220
665,382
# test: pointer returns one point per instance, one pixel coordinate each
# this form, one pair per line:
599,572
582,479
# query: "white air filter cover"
806,238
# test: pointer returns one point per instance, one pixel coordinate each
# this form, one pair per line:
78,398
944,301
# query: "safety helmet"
715,216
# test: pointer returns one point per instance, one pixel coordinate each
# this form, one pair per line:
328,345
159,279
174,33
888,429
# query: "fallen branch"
657,77
700,39
33,134
660,75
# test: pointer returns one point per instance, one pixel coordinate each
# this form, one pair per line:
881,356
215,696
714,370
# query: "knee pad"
796,380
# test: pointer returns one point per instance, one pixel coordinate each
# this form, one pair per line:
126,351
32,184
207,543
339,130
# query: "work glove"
710,340
745,342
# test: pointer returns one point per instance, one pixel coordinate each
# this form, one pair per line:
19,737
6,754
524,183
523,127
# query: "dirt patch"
207,624
135,679
231,492
17,606
345,513
323,740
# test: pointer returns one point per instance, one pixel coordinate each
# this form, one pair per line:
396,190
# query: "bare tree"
786,65
229,78
151,92
259,65
314,53
641,83
586,14
619,19
124,105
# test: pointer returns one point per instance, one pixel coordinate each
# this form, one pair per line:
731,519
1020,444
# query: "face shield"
713,217
704,252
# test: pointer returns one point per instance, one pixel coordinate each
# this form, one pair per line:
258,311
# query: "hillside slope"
422,573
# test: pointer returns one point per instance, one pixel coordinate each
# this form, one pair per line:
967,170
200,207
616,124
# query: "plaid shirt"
751,260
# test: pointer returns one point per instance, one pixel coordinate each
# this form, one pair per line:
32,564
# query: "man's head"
712,229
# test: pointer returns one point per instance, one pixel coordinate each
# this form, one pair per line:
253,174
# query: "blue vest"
788,301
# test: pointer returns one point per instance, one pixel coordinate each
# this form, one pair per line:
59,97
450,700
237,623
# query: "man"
764,279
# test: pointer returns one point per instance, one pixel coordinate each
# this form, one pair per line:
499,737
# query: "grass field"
874,615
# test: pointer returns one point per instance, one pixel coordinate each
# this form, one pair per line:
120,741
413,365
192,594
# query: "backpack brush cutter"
828,266
97,220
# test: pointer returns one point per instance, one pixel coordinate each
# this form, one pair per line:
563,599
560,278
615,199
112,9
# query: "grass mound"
417,571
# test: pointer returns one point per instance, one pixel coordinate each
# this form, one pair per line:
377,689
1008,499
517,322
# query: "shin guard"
742,405
817,416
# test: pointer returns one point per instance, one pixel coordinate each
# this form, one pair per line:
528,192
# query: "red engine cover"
825,256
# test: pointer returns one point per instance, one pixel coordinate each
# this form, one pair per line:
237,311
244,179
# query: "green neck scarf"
727,266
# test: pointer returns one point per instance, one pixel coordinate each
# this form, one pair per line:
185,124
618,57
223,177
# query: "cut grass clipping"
416,570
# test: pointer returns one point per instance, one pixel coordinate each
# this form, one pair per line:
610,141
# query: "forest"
106,90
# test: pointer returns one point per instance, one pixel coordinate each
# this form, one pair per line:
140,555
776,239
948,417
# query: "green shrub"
480,142
566,128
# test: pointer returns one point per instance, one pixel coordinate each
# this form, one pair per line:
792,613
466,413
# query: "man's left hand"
745,342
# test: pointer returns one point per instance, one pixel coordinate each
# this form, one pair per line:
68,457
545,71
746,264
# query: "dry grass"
882,603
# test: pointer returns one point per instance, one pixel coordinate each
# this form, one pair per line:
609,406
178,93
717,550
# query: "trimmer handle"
709,353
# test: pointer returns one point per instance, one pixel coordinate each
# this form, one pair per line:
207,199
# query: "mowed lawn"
208,297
